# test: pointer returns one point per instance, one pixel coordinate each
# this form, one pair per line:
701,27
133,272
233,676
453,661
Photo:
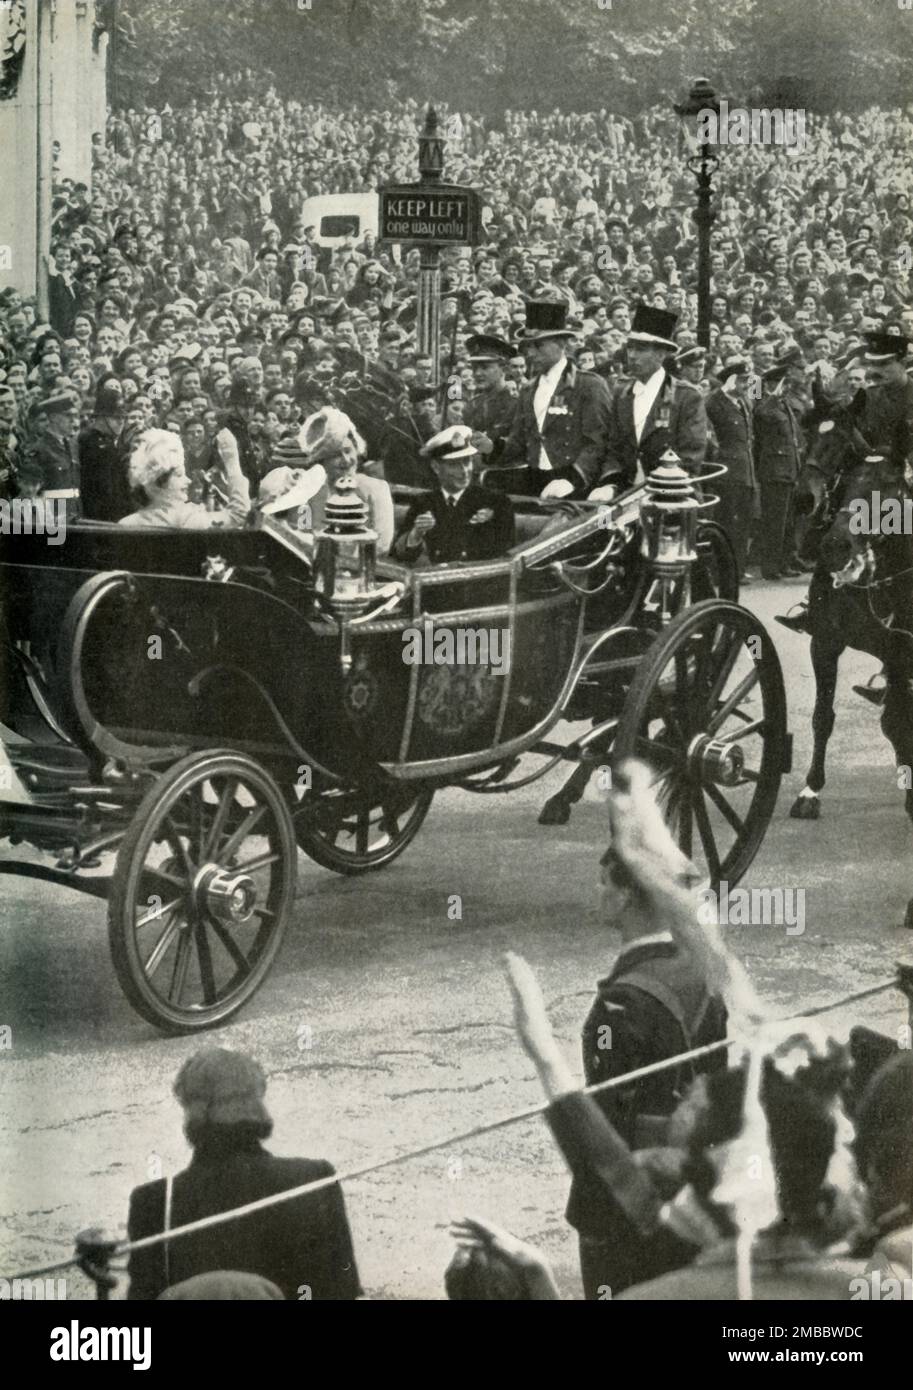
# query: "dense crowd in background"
188,294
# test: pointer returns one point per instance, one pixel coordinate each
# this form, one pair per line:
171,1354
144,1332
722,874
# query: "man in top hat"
491,411
654,411
729,412
458,519
557,444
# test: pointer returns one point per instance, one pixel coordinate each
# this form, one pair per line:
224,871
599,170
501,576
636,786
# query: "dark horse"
861,593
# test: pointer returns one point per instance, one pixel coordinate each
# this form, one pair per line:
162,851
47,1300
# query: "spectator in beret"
302,1246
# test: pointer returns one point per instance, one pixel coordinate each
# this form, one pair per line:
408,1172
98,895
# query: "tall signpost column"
428,215
428,327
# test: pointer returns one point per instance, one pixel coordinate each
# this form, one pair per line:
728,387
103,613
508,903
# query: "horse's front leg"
825,655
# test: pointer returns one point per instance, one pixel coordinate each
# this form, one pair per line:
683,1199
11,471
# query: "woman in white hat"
330,439
157,472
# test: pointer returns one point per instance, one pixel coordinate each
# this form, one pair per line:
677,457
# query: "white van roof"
335,216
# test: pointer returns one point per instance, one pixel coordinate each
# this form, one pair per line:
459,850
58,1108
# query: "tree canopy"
488,55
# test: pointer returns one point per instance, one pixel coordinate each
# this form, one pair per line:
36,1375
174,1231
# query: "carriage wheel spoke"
704,665
237,838
724,807
736,698
162,876
730,657
705,830
754,726
197,818
157,912
232,947
262,862
363,830
178,846
218,825
179,975
682,803
160,949
204,953
648,749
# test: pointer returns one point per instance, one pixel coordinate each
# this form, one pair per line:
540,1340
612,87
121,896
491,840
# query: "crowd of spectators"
189,297
188,294
764,1159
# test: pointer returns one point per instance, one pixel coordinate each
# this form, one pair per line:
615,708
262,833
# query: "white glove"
560,487
606,493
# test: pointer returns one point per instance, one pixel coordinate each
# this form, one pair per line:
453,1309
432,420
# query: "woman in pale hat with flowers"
330,439
302,1245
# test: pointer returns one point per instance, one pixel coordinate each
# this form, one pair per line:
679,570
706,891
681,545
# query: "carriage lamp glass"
346,555
669,518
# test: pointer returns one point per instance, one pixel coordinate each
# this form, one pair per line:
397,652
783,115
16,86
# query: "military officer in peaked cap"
491,411
459,519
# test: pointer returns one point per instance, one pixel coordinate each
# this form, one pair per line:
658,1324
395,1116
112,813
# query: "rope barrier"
489,1127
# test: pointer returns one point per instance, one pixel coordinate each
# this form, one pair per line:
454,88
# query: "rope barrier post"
94,1248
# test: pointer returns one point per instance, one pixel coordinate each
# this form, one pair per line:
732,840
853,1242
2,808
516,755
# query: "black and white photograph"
456,662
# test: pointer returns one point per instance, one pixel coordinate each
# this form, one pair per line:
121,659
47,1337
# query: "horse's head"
819,484
869,490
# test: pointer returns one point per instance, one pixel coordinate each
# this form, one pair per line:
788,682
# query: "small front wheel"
354,830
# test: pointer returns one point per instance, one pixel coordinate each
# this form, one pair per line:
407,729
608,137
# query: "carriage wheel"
202,890
716,572
707,710
353,832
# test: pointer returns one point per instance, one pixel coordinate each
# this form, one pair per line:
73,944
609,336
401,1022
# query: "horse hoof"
908,916
806,808
556,811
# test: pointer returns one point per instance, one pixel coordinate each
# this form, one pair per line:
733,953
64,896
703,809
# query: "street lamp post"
428,326
693,113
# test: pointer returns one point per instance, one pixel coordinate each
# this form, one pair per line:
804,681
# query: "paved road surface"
405,1011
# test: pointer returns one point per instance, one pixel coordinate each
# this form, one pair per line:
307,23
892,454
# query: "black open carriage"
199,704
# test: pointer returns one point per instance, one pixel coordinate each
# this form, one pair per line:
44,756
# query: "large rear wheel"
202,891
707,711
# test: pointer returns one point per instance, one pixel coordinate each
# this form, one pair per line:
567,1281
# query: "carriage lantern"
346,556
346,552
669,518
